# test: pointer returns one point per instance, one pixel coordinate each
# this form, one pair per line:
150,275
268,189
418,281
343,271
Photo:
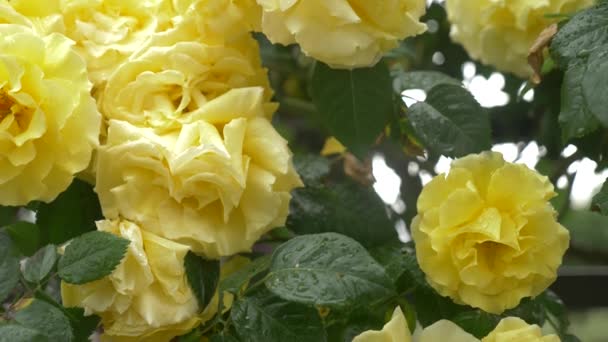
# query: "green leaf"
575,117
425,80
595,85
600,200
588,230
91,256
265,317
431,307
329,270
9,266
47,320
40,265
235,282
203,276
194,335
530,310
82,326
554,306
19,333
71,214
401,266
223,337
354,105
346,208
311,168
586,31
26,237
476,322
7,215
451,122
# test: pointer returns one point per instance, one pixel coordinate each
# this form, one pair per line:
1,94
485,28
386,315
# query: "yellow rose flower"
106,32
500,33
49,124
396,330
217,184
486,234
516,329
342,33
147,296
169,83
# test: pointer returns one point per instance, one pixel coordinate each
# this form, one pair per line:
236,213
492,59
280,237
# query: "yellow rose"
342,33
49,124
486,234
166,85
106,32
146,296
217,184
500,33
515,329
396,330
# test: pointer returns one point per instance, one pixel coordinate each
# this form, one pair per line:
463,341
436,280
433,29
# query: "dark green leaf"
595,85
235,282
451,122
223,337
82,326
588,230
19,333
40,265
600,200
26,237
9,266
569,338
312,168
401,266
71,214
586,31
476,322
344,208
265,317
203,276
327,269
193,336
7,215
354,105
554,306
575,117
424,80
432,307
530,310
91,256
46,320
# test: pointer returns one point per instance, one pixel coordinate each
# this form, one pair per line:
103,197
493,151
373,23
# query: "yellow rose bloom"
49,124
342,33
169,83
516,329
147,296
217,184
486,234
500,33
396,330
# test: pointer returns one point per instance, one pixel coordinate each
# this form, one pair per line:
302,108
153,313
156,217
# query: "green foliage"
451,122
265,317
46,320
328,270
82,326
575,118
7,215
91,256
71,214
26,237
203,276
600,200
424,80
236,281
344,208
311,168
354,105
9,266
38,267
19,333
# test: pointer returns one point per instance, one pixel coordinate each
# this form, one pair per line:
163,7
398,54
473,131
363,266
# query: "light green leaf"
586,31
235,282
575,117
354,105
19,333
203,276
91,256
265,317
40,264
9,266
47,320
451,122
595,85
327,269
26,237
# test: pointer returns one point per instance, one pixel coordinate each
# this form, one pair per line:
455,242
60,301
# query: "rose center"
20,116
6,103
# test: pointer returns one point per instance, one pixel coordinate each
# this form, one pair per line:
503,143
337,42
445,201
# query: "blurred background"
525,130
